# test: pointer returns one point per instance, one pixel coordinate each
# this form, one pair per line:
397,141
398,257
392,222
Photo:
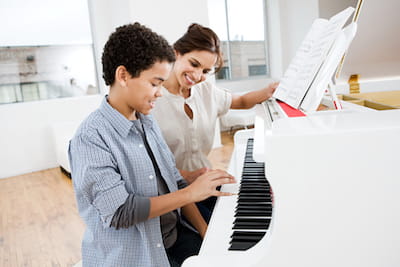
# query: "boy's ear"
121,75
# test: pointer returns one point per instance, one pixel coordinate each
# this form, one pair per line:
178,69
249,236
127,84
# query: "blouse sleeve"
223,100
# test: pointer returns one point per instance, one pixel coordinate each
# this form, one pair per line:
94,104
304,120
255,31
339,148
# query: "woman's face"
143,91
193,67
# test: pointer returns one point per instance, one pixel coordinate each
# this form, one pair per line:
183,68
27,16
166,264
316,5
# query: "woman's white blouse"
190,140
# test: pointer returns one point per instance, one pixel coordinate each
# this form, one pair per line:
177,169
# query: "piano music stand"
332,84
332,91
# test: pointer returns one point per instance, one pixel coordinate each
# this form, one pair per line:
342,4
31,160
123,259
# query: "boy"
124,175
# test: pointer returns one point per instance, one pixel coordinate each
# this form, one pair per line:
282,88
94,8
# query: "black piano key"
242,245
247,235
255,207
253,173
252,194
250,183
254,179
251,223
254,184
254,191
248,238
252,165
245,240
253,213
254,199
252,204
254,188
258,206
252,220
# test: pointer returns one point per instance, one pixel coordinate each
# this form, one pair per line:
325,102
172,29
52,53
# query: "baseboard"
64,171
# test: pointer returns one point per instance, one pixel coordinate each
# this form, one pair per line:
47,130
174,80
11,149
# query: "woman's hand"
190,176
252,98
270,89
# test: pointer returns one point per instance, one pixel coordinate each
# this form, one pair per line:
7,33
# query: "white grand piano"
316,190
335,179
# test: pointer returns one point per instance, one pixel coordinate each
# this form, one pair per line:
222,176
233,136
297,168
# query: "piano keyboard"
254,204
240,225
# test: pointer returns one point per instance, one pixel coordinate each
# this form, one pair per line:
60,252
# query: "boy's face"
143,91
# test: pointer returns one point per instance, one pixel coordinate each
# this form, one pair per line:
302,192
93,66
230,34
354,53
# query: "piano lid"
352,118
338,122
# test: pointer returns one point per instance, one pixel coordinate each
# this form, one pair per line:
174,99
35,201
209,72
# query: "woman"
124,175
194,103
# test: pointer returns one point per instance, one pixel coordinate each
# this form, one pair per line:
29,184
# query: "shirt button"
141,145
151,177
158,245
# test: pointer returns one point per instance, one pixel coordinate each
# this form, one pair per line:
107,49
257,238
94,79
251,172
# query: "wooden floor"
39,221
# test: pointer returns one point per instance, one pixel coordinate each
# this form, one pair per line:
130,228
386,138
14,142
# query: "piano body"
334,192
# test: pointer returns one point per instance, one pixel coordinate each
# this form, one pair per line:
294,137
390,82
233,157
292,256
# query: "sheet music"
314,94
309,58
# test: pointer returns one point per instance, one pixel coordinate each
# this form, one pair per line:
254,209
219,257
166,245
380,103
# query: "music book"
315,62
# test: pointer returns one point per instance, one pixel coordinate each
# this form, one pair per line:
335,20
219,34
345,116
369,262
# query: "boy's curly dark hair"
135,47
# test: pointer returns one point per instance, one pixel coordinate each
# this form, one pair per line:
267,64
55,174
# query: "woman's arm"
191,176
192,213
250,99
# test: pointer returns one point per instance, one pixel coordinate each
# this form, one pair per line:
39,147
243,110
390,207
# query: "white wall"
374,53
44,22
296,18
169,18
26,138
105,16
328,8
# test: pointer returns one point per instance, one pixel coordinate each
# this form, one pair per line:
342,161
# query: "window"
241,27
46,51
223,73
255,70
